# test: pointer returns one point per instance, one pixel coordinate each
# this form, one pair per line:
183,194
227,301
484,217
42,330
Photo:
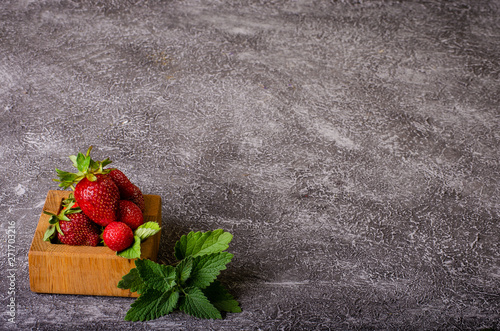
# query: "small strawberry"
128,191
130,214
118,236
72,226
95,192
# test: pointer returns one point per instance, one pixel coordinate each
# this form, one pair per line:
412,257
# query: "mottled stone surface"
351,147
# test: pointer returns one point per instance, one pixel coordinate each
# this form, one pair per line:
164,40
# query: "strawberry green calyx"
87,168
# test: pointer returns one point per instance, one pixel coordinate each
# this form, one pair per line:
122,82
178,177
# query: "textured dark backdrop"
351,147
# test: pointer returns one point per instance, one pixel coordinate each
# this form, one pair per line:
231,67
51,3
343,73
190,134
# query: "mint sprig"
189,286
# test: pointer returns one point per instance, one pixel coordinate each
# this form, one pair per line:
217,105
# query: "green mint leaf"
196,304
183,270
157,276
197,243
182,245
147,230
206,268
133,252
152,304
132,281
221,298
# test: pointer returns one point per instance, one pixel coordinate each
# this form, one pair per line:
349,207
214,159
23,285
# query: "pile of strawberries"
104,204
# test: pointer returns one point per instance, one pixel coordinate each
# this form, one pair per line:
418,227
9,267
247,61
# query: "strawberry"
72,226
130,214
128,191
79,231
99,199
95,192
122,181
118,236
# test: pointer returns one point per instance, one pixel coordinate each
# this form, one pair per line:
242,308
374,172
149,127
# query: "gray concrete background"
351,147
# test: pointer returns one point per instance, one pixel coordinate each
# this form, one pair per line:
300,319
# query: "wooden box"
65,269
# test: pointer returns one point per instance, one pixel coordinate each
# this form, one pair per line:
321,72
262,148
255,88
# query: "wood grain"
85,270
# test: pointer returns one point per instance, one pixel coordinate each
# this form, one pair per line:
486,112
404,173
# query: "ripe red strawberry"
99,199
128,191
72,226
130,214
79,231
118,236
95,192
121,181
